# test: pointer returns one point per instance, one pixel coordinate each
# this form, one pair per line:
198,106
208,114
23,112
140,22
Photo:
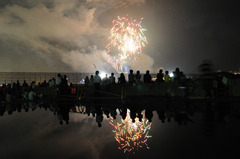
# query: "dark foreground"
175,127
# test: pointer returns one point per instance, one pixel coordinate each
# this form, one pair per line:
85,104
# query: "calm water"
197,129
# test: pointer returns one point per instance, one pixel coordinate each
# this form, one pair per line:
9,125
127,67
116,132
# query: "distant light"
154,79
103,75
171,74
82,81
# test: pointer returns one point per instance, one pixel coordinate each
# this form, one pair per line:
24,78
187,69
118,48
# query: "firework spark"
131,136
127,36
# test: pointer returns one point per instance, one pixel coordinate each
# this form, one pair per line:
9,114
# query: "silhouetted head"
99,125
147,71
160,71
166,72
97,72
177,69
59,75
112,74
138,72
131,71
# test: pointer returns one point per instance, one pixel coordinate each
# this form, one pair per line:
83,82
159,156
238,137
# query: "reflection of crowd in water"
181,112
59,108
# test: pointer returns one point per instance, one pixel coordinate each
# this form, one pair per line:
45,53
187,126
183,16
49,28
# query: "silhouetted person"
86,81
161,115
2,109
52,82
225,85
66,110
133,113
19,107
60,117
176,74
182,78
97,81
131,78
206,70
112,79
58,79
122,79
44,84
32,94
113,113
139,114
106,111
167,77
123,112
63,86
99,117
25,85
169,115
8,96
160,76
138,77
105,80
26,106
147,78
149,114
91,81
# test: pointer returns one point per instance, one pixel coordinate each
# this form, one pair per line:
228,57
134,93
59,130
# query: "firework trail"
131,136
127,36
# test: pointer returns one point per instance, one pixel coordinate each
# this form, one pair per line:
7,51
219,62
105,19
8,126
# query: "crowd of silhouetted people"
96,80
28,92
213,84
180,112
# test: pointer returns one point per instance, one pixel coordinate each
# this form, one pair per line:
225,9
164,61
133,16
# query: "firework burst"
127,37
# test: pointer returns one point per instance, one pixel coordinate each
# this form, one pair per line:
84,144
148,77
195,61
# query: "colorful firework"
127,36
131,136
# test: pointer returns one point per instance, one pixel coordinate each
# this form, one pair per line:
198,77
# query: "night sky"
59,35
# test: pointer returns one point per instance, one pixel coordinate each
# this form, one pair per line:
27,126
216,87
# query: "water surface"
197,129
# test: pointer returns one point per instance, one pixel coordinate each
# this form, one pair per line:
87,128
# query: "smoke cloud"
55,35
63,36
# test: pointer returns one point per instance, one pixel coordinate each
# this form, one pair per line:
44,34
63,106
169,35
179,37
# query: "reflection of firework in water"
127,36
131,136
